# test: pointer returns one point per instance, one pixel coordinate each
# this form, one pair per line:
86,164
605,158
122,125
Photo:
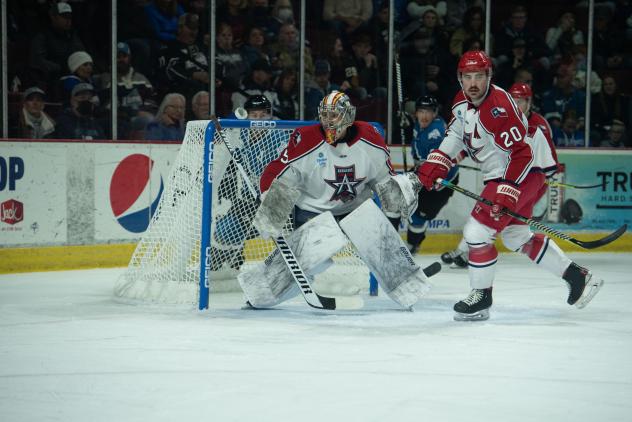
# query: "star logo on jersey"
499,112
345,184
468,138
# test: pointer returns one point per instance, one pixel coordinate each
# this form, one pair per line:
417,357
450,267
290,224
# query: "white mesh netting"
166,263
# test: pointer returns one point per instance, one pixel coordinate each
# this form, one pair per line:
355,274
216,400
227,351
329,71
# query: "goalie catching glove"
276,205
398,194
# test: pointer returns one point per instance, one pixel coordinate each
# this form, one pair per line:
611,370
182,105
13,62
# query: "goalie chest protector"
336,178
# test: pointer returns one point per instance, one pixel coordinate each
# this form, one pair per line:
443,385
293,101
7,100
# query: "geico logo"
263,123
210,165
207,266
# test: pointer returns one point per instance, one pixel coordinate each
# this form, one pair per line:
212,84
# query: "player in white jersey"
488,125
326,177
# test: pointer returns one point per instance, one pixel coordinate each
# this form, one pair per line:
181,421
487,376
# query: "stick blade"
603,241
340,302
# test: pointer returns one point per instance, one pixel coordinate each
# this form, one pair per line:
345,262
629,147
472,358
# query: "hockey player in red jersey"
488,125
523,97
325,178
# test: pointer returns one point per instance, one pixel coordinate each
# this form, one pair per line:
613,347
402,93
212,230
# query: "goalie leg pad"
314,243
385,253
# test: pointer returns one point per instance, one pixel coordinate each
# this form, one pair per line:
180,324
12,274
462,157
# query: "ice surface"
70,352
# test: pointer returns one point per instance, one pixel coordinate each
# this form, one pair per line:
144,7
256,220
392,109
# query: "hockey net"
166,267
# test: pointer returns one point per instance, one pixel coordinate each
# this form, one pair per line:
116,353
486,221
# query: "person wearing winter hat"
34,122
78,121
81,68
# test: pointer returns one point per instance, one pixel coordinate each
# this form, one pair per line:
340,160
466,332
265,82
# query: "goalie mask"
336,113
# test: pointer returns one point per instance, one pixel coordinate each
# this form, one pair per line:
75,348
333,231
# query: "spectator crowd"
60,72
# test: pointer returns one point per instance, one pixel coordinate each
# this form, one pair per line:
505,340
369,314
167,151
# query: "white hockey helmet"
336,113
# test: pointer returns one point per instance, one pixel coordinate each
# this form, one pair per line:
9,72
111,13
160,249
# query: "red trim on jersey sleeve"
536,120
302,141
500,116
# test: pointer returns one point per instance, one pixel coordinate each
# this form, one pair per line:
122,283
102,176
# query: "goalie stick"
548,182
590,244
312,298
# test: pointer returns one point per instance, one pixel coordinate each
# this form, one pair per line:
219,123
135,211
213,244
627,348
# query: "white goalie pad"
398,194
275,208
385,253
314,243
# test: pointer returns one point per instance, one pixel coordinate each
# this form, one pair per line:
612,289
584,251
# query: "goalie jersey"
336,178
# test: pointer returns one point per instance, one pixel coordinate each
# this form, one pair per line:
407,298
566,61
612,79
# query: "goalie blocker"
377,243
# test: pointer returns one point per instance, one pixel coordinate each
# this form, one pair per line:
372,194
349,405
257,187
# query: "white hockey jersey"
494,134
336,178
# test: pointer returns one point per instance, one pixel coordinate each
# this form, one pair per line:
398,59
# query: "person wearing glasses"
168,124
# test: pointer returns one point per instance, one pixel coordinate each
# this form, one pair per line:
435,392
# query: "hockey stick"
400,102
591,244
312,298
548,182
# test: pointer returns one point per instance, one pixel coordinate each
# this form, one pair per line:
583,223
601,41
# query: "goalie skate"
475,307
583,286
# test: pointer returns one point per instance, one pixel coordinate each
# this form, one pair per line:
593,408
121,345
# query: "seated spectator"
50,48
169,123
362,69
200,106
183,63
430,20
609,105
233,13
517,27
232,66
163,18
78,121
472,28
570,133
519,57
34,123
284,53
260,16
319,87
287,94
608,42
562,38
616,137
259,82
255,47
81,69
417,8
133,91
564,96
346,17
337,57
428,70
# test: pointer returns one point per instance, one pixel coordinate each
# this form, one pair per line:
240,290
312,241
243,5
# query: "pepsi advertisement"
129,182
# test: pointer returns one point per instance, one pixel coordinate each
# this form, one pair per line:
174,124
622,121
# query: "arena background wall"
71,204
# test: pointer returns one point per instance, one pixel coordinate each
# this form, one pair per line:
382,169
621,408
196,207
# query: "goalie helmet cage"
201,234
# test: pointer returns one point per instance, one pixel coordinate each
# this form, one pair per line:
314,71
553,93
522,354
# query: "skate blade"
476,316
592,288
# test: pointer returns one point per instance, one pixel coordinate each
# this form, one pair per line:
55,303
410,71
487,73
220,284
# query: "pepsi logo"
135,184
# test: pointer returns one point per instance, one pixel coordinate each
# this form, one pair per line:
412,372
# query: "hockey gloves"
437,165
506,197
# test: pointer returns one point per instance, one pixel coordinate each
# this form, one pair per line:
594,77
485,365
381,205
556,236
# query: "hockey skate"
456,258
475,307
582,285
